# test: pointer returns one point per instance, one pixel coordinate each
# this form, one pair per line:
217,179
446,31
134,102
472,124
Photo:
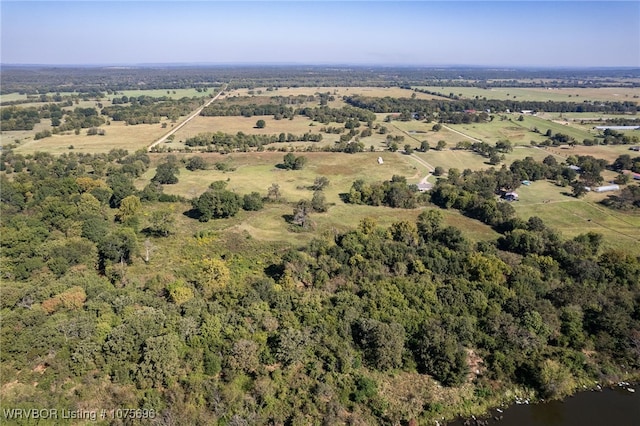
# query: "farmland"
602,94
236,274
255,171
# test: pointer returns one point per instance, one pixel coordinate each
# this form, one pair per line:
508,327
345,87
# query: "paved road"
189,118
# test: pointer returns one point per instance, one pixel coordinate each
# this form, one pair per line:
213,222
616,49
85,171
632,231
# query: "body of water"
612,406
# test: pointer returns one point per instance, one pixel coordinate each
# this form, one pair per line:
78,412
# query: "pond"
612,406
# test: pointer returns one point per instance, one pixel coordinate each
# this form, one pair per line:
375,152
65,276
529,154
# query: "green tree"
441,145
261,124
161,222
129,211
439,354
122,186
160,361
429,223
252,202
120,245
217,204
166,174
579,190
196,163
383,344
319,202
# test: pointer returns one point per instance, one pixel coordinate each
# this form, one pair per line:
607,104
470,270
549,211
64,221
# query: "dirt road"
189,118
461,134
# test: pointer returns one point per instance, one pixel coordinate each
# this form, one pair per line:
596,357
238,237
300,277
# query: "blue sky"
428,33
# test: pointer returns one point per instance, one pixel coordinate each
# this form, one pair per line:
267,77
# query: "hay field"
118,136
576,94
234,124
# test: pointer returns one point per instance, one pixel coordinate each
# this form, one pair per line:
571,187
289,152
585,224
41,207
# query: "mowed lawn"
573,216
520,132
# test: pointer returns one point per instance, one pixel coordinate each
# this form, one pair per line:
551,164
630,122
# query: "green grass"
542,94
519,132
257,171
173,93
572,217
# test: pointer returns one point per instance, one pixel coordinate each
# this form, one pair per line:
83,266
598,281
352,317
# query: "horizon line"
318,64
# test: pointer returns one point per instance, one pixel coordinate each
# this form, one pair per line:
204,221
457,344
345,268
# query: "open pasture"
118,136
258,171
572,217
606,152
541,94
519,132
247,125
461,159
169,93
377,92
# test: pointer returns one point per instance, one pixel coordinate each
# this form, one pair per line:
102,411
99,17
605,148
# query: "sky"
358,32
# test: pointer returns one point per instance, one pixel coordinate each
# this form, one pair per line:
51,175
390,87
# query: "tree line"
429,107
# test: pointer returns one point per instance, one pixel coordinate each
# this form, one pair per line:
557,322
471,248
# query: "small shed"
380,160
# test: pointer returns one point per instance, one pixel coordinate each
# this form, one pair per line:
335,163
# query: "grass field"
519,132
118,136
234,124
573,217
173,93
257,171
378,92
542,94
